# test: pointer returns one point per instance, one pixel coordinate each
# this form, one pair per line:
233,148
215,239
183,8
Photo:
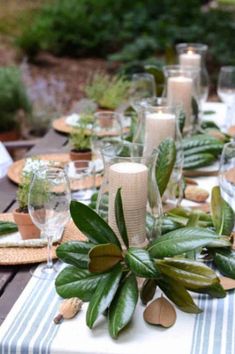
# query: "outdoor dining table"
28,306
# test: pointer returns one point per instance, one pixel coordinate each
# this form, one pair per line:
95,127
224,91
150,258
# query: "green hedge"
131,29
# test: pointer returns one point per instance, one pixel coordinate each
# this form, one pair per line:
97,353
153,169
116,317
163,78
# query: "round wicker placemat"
61,126
15,170
21,255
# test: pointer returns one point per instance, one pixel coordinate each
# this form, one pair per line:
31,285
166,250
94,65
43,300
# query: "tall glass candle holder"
194,55
135,175
180,92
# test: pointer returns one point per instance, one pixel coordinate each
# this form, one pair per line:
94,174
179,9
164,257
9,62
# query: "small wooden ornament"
160,312
227,283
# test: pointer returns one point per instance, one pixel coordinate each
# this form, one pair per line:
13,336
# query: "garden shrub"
133,30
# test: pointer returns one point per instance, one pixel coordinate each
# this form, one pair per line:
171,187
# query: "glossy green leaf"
198,160
222,213
148,290
189,273
165,163
223,241
120,219
103,295
74,282
91,224
181,119
140,263
225,262
180,241
75,253
177,293
123,305
214,290
104,257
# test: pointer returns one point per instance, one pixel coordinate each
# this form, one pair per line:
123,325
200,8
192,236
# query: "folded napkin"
14,240
5,160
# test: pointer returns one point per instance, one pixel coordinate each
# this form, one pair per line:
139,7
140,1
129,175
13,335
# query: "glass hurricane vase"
126,168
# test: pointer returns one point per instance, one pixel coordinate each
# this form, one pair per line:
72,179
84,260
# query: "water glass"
81,175
226,92
106,129
227,173
142,86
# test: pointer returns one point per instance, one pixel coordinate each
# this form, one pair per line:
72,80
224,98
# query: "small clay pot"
80,155
25,225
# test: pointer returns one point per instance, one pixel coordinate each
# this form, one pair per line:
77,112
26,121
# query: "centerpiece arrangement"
168,262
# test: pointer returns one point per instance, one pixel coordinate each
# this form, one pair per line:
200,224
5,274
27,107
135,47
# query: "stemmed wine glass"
226,92
227,173
48,203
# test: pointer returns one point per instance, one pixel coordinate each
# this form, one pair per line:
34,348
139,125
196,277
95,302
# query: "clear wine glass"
227,173
226,92
142,86
48,203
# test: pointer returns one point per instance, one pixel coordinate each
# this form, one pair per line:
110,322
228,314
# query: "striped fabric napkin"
29,328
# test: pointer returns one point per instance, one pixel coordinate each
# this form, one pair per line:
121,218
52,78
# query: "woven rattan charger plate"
15,170
61,126
27,255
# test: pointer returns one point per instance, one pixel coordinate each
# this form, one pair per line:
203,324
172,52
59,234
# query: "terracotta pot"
80,155
10,135
25,225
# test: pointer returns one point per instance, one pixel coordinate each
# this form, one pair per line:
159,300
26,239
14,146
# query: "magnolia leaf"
120,220
177,293
214,290
223,241
148,290
75,253
140,263
91,224
123,305
160,312
189,273
104,257
180,241
227,283
103,295
225,262
74,282
165,163
222,213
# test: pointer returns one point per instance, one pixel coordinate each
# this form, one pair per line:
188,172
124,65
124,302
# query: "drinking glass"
227,173
142,87
226,92
106,129
48,204
81,175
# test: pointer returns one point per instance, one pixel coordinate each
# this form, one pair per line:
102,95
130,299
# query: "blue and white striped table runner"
29,329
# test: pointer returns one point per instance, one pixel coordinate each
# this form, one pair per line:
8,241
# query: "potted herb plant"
80,140
108,92
21,216
13,101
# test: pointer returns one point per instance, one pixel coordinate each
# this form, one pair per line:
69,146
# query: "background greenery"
133,30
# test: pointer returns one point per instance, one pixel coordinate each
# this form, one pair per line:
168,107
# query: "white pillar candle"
132,178
180,92
190,59
158,126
